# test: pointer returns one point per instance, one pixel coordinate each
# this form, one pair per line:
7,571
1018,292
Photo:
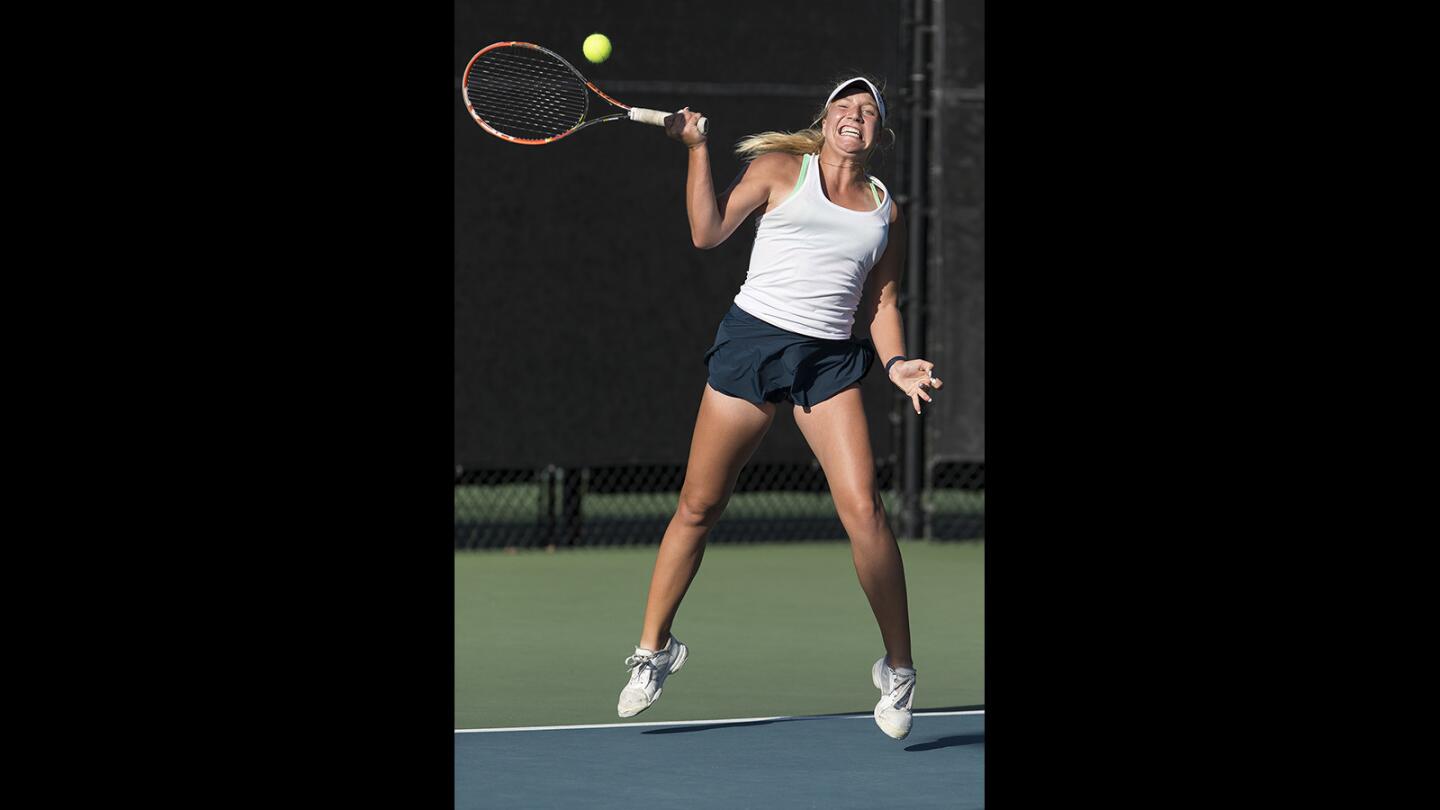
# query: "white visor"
879,99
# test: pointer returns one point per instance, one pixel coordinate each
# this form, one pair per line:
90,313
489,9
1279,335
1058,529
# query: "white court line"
704,722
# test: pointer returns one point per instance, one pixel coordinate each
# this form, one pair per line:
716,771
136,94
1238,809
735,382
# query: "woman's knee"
700,509
862,510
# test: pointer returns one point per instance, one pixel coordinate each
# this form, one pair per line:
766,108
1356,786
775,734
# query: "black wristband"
892,361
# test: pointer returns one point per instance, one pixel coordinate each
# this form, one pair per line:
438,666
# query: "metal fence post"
913,518
570,518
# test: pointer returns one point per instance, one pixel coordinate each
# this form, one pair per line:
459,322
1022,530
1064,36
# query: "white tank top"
811,258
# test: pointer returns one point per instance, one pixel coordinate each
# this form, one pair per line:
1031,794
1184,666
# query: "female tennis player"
829,248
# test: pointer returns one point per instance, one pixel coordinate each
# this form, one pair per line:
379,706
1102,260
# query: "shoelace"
642,668
902,685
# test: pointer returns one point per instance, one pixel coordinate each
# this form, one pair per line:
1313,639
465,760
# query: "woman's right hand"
683,126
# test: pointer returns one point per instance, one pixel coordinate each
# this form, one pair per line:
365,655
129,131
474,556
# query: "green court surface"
773,629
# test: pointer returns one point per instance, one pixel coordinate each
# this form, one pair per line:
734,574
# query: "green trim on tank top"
805,164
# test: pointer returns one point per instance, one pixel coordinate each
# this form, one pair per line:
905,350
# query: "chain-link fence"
955,501
632,505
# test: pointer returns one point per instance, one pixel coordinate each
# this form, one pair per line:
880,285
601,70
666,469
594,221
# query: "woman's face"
852,122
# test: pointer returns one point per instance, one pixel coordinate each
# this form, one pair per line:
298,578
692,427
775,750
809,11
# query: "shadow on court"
741,724
943,742
946,742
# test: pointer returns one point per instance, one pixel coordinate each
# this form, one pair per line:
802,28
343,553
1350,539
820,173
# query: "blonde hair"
801,142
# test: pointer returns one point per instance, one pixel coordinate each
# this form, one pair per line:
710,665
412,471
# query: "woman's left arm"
879,314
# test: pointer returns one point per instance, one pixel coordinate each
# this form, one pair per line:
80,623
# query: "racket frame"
581,124
631,113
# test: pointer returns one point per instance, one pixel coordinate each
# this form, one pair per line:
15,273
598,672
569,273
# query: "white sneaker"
897,695
648,671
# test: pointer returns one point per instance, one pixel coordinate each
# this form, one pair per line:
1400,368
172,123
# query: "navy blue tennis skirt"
759,362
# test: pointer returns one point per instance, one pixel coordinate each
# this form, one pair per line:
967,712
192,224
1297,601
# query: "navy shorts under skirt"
759,362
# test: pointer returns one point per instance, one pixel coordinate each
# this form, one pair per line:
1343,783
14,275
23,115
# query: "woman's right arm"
713,219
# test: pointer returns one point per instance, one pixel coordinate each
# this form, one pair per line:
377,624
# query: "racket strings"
526,93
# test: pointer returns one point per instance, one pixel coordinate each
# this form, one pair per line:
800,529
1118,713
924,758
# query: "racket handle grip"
658,118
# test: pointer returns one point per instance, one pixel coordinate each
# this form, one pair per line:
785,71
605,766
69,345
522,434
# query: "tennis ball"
597,48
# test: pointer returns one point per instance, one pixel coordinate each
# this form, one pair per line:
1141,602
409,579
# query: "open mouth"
849,130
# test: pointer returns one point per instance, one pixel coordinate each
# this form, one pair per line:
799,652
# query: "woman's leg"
840,439
727,432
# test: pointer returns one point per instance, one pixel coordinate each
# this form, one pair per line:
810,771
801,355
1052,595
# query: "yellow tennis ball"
597,48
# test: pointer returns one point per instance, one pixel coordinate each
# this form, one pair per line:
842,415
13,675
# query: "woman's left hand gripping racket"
527,94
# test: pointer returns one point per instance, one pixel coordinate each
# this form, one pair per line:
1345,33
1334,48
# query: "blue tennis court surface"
791,762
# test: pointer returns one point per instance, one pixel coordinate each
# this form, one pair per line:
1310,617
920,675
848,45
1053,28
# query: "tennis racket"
526,94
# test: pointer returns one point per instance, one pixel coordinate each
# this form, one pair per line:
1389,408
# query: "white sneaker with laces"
897,696
648,671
